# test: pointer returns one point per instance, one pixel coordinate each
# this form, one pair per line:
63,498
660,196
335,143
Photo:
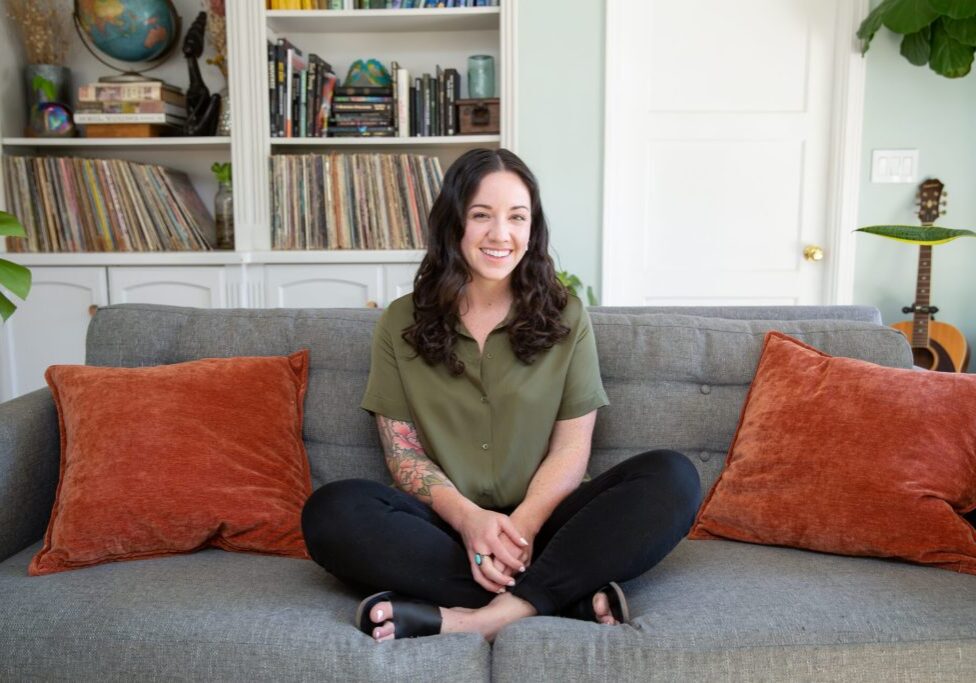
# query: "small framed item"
478,117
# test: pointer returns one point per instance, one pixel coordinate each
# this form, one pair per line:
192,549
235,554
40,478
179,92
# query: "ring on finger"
481,557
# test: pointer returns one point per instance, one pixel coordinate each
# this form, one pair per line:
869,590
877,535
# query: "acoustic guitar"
935,345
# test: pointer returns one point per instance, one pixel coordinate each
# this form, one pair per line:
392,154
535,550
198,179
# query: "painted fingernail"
521,569
376,634
379,615
511,582
524,542
501,590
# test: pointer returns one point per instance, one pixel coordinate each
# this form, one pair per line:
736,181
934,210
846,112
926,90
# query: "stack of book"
362,111
75,204
138,109
352,201
299,91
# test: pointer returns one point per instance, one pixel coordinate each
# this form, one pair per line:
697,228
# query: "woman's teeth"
495,254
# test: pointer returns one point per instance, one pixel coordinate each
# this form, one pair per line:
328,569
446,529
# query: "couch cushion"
211,615
723,610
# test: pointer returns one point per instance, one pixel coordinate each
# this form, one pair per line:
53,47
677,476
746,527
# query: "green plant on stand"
917,234
15,278
571,282
940,33
224,205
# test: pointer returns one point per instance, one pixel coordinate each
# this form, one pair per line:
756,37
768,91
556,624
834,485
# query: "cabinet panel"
399,280
323,286
49,327
197,286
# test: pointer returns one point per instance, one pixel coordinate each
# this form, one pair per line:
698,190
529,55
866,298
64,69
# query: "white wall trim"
614,125
508,29
850,72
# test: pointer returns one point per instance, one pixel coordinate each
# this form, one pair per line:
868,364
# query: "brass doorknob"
812,252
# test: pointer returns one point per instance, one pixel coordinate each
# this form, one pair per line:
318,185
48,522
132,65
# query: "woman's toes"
382,611
601,606
384,632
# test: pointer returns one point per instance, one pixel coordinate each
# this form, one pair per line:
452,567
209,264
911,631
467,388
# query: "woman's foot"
601,606
488,620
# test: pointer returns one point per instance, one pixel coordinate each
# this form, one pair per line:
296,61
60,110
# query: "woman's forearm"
415,473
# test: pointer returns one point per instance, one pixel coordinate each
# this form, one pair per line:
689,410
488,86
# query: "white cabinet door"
323,285
399,280
49,327
197,286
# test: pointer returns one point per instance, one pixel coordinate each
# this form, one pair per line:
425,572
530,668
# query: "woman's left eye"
521,218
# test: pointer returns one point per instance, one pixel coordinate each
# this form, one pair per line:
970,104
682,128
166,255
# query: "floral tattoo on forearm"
412,470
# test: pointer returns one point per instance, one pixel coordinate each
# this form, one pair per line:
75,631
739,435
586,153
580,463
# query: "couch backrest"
674,380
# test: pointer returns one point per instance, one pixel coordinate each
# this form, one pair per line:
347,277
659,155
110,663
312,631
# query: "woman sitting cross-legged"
485,386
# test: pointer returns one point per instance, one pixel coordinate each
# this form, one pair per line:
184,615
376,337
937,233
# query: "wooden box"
478,117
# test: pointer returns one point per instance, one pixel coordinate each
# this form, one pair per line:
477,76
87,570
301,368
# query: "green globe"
129,30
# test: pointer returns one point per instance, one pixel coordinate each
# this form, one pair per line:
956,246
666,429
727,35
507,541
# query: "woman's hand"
522,552
483,532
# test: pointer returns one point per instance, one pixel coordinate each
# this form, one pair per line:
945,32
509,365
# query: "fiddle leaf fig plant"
15,278
940,33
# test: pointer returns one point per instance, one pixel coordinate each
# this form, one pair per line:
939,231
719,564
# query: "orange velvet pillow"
175,458
843,456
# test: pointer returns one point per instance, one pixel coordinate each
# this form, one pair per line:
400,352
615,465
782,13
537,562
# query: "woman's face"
497,227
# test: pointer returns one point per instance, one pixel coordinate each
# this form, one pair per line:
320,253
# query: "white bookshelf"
419,39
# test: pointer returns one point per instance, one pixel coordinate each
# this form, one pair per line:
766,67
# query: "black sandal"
411,618
583,609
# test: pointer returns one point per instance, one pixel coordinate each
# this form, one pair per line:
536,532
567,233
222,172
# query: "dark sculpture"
202,108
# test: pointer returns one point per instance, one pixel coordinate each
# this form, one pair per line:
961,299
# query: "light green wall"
560,120
908,107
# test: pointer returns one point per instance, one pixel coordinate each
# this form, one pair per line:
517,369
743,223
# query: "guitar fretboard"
920,321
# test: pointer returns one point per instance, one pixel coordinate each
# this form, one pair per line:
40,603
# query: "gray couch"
712,610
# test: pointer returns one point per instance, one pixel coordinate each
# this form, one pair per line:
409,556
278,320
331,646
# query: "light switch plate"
894,166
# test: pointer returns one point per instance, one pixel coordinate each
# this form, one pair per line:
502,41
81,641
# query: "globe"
129,30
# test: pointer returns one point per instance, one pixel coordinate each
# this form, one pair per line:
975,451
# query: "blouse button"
484,447
484,399
489,355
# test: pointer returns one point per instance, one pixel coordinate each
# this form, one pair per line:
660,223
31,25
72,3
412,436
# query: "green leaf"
10,226
872,23
955,9
7,307
950,58
963,30
909,16
916,48
15,277
916,234
591,297
45,87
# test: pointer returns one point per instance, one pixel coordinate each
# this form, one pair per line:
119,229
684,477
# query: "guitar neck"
920,323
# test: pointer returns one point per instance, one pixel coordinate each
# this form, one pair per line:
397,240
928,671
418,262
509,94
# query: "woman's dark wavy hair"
443,274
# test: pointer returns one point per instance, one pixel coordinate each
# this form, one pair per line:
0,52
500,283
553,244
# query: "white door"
726,136
49,327
196,286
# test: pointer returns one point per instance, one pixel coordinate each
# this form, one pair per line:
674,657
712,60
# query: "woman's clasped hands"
504,550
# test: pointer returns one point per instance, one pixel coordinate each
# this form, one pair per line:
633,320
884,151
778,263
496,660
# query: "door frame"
847,120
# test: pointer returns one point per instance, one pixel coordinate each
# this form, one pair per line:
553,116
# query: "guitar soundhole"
923,357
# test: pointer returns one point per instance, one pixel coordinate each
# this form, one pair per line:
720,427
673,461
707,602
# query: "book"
84,118
452,89
129,130
131,107
143,90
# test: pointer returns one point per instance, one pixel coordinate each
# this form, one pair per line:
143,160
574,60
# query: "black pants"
613,528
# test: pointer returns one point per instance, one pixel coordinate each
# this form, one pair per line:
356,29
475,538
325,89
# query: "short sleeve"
583,391
384,389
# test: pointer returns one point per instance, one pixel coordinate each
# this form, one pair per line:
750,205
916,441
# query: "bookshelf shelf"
218,258
170,144
384,20
438,141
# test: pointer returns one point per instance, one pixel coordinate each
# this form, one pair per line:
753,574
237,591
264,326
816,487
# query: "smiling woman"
485,385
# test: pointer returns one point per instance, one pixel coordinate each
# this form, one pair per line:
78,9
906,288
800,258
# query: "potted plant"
43,32
940,33
15,278
571,282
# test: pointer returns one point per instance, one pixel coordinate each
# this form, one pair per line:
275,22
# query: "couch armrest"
30,461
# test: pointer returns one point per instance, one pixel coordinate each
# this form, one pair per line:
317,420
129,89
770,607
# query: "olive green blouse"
487,429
